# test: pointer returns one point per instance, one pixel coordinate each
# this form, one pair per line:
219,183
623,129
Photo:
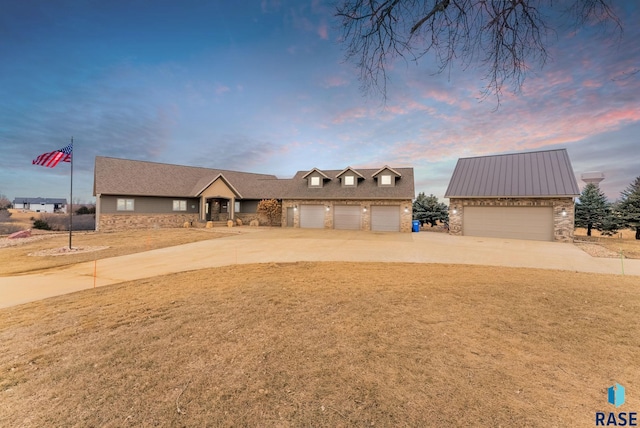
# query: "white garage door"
533,223
385,218
347,217
312,216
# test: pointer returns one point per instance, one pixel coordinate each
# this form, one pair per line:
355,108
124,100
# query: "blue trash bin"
416,226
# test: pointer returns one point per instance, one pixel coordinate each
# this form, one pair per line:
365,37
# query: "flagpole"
71,197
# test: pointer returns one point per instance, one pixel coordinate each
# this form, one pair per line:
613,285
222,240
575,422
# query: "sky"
263,86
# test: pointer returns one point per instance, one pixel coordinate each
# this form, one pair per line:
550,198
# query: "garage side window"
179,205
125,204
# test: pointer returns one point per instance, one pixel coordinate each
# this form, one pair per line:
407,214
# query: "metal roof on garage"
546,173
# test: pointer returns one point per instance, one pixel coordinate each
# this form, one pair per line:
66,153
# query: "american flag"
51,159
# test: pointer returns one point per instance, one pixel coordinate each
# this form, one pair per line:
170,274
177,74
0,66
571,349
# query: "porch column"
232,208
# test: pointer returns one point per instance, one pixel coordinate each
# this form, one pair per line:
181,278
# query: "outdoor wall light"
295,208
328,208
364,210
564,212
455,210
406,209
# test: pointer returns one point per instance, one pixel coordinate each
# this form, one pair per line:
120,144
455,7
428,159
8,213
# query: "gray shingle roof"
543,174
114,176
366,189
140,178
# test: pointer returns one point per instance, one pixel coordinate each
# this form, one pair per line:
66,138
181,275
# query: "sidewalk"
290,245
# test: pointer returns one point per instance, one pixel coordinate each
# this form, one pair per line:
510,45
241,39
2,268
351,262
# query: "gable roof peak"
349,169
220,176
318,171
388,168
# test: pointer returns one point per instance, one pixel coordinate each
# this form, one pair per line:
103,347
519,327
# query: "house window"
349,180
125,205
315,181
236,207
385,180
179,205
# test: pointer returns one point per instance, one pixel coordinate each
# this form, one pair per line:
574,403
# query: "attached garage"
312,216
347,217
533,223
385,218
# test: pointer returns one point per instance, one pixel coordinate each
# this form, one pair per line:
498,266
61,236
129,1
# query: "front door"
214,210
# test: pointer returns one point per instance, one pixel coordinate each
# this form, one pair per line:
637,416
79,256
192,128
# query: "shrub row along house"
521,196
138,194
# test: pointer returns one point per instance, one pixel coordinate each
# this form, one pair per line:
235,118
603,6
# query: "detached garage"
514,196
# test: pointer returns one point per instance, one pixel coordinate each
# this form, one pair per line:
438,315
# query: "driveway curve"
291,245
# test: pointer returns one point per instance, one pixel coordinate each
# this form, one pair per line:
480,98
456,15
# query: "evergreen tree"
427,209
629,207
592,209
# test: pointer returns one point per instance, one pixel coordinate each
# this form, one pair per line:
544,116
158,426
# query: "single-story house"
41,205
521,196
135,194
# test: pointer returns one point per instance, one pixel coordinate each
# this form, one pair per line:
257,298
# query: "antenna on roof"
592,177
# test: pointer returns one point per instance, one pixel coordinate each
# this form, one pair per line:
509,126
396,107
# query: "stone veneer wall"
261,217
111,222
405,217
563,226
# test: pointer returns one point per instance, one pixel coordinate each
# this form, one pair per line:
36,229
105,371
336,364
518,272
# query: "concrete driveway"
289,245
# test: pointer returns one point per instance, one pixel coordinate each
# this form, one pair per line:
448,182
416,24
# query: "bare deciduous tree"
503,37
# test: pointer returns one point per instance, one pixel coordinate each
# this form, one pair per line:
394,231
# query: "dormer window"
387,176
315,181
349,177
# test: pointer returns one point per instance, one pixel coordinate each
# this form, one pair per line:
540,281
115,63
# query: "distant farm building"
41,205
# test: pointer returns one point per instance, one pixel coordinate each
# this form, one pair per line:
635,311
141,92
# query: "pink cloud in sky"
323,31
350,115
335,81
591,84
462,133
447,97
404,106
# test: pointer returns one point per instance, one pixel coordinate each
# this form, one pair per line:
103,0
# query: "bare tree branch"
505,38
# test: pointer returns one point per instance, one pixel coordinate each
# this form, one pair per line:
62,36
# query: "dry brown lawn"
17,221
624,241
325,344
16,260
